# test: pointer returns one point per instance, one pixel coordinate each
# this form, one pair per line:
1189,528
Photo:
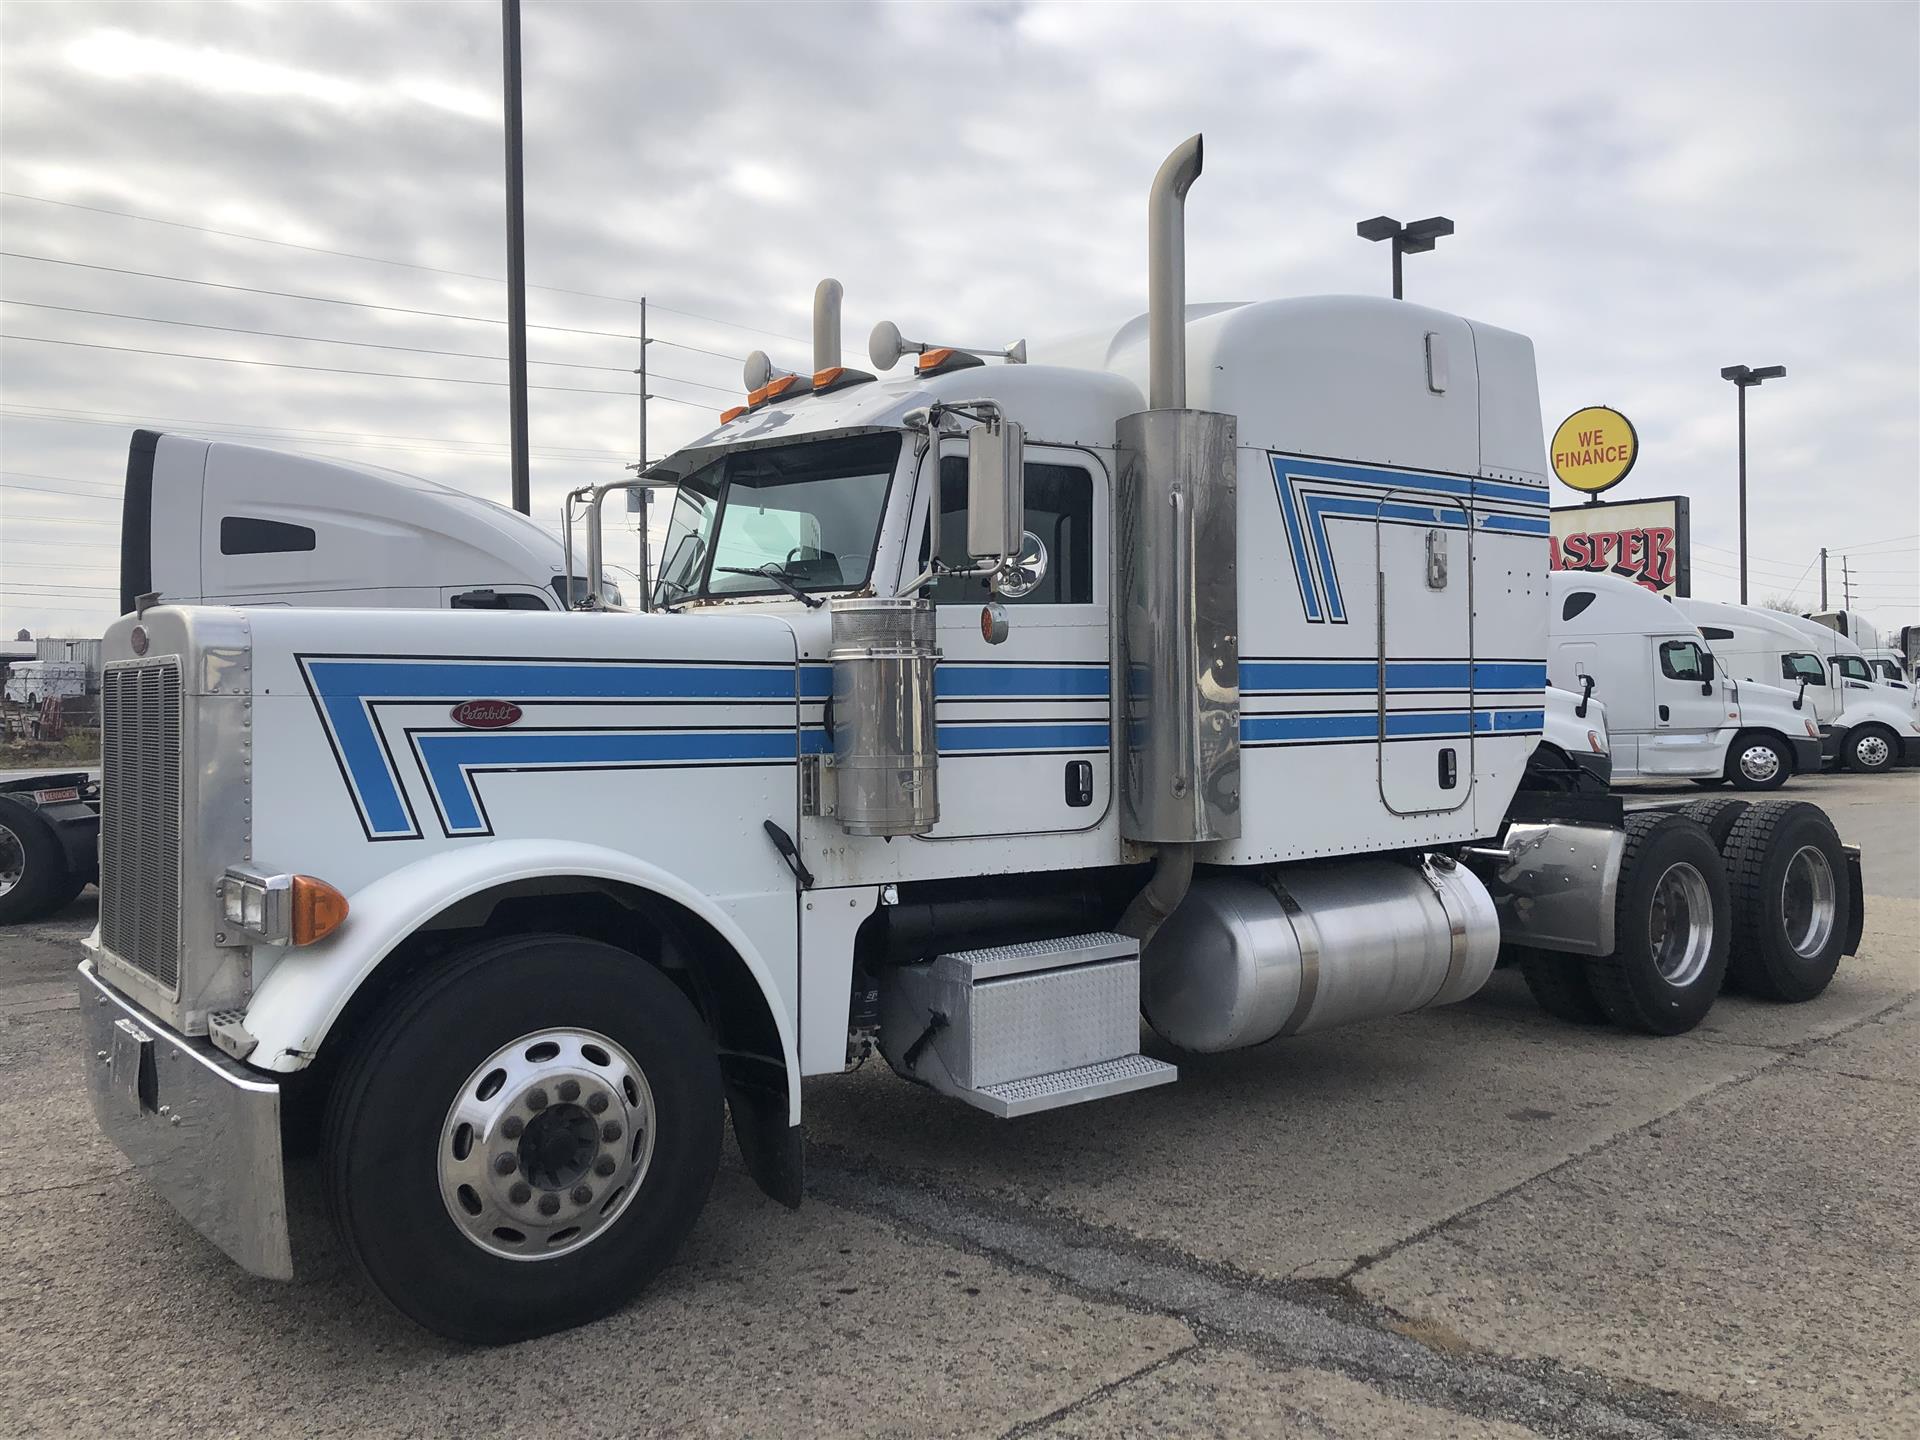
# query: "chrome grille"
140,816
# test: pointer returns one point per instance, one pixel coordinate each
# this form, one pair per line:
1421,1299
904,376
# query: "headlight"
1596,742
1811,730
282,909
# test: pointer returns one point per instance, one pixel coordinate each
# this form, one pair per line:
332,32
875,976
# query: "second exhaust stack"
1178,601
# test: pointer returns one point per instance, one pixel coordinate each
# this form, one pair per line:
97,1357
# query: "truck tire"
524,1137
33,867
1871,749
1672,924
1717,816
1792,905
1559,983
1758,762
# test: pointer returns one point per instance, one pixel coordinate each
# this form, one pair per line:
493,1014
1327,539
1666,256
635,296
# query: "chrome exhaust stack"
826,325
1178,615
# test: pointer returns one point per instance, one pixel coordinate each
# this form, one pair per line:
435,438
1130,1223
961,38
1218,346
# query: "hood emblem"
485,714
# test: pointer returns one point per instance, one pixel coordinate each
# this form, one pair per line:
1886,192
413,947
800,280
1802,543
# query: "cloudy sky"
1651,192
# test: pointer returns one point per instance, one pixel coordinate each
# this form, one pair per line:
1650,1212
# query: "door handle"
1663,713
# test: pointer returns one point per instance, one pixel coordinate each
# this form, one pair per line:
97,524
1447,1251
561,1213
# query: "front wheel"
1870,750
1672,921
524,1138
1759,762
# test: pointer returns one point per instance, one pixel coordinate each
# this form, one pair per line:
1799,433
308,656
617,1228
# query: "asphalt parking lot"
1474,1222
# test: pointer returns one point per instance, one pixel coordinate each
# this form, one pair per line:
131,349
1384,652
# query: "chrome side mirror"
996,489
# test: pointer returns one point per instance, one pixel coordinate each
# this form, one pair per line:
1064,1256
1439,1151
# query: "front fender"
303,995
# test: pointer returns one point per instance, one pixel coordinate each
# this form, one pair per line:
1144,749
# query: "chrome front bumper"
201,1128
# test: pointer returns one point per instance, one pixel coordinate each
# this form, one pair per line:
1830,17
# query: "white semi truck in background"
1868,726
978,712
1673,710
214,522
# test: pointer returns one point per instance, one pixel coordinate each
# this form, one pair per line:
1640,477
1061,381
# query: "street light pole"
1416,237
1743,378
516,262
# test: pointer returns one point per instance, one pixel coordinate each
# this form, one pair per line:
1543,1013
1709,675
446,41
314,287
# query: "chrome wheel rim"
13,860
1807,906
1680,924
546,1144
1759,763
1872,750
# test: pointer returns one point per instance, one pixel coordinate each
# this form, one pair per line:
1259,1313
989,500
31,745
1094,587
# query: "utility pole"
1846,586
1823,577
516,262
642,495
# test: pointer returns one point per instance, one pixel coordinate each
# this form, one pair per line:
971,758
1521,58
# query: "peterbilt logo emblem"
485,714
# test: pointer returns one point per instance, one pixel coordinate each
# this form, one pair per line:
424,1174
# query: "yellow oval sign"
1594,449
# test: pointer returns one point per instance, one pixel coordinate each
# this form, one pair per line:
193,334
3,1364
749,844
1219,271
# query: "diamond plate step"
1072,1087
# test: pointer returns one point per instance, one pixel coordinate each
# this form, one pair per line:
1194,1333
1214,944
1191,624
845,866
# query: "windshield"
807,513
1852,666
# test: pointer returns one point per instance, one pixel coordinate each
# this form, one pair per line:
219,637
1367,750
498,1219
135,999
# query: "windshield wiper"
785,581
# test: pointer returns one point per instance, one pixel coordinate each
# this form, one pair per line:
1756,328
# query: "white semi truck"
978,713
1673,710
213,522
1868,726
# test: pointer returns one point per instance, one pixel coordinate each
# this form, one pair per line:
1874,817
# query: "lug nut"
610,1131
521,1192
582,1194
605,1165
596,1102
569,1089
536,1098
549,1204
506,1164
512,1126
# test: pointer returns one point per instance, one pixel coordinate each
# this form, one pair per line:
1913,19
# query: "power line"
314,299
341,370
48,490
284,431
372,345
403,264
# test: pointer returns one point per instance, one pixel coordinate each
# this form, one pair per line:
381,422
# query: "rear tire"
601,1215
1871,749
1559,983
1718,816
1792,905
33,867
1671,928
1758,762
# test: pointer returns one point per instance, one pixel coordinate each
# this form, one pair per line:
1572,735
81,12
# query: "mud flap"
1857,896
774,1151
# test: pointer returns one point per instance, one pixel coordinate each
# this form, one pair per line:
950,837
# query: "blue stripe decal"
1052,682
1366,728
449,759
1361,675
959,739
1417,480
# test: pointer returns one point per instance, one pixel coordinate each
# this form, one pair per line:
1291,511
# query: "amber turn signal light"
318,910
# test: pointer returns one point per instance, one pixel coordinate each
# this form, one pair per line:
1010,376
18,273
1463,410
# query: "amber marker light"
318,910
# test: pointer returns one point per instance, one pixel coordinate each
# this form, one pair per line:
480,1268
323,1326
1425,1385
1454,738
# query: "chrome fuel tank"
1250,957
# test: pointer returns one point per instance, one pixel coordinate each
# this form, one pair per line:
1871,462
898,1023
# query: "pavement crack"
1287,1324
1052,1417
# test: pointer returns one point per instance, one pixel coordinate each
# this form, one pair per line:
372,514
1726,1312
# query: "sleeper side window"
1575,603
247,535
1059,513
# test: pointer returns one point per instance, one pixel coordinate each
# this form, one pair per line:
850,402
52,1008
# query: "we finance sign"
1647,541
1594,449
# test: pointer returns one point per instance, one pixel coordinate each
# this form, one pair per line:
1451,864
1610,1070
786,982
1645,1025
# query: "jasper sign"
1647,541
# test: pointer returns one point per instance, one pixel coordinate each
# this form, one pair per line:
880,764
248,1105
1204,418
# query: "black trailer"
49,842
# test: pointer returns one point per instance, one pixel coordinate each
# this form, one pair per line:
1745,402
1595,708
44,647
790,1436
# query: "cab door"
1023,726
1423,558
1689,709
